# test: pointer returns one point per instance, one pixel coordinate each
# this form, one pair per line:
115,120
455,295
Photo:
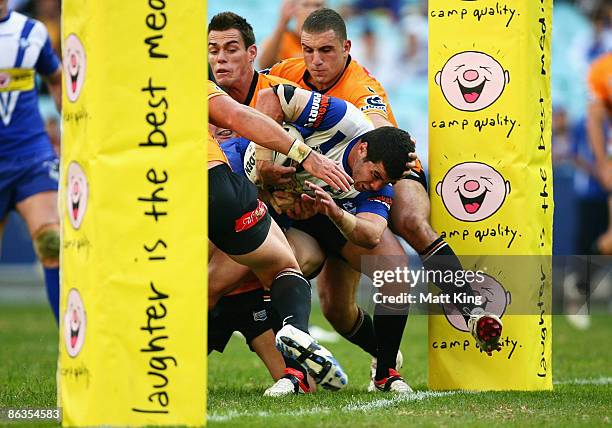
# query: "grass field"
582,372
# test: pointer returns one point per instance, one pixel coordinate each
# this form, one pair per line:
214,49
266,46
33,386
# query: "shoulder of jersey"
293,66
275,80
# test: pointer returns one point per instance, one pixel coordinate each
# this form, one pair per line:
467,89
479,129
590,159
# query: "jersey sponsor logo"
385,200
320,104
260,315
251,218
374,102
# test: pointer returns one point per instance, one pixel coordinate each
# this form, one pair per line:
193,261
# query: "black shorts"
247,313
326,233
238,222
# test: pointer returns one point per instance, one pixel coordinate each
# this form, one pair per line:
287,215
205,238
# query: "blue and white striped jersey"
25,48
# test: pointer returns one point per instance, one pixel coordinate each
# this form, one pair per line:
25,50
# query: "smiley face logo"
77,194
495,300
75,323
472,81
75,65
472,191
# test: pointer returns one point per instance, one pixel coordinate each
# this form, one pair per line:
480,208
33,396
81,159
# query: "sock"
440,257
290,293
362,334
389,326
52,285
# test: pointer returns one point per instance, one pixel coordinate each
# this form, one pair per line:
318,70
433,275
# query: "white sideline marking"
358,405
591,381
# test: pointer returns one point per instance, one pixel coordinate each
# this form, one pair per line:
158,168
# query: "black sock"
440,257
362,334
290,293
389,326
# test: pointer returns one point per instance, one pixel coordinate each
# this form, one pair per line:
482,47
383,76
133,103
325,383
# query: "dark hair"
323,20
230,21
391,146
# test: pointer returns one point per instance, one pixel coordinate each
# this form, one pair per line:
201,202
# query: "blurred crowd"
582,32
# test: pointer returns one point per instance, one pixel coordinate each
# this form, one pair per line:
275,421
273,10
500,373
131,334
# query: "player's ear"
347,46
252,51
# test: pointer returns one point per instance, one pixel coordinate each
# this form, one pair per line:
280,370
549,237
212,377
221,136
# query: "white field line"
590,381
357,405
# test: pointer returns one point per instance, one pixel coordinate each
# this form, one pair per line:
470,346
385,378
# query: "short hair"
391,146
323,20
230,21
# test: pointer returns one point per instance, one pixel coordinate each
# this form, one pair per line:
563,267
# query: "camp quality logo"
75,323
75,66
77,194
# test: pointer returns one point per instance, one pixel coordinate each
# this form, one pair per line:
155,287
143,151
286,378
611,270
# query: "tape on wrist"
299,151
347,223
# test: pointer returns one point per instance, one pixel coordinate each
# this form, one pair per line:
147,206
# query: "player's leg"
41,216
240,225
389,318
224,275
337,286
410,220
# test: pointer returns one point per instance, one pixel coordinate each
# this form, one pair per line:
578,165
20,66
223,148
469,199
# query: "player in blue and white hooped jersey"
28,163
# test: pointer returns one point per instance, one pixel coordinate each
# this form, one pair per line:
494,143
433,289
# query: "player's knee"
47,244
414,228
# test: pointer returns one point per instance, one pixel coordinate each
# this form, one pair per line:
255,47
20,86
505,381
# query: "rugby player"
328,68
599,117
241,227
29,167
247,308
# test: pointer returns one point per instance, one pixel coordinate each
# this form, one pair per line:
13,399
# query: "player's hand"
412,162
288,10
282,201
302,210
275,175
322,203
328,171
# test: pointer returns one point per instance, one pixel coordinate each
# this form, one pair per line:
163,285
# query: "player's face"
325,56
369,176
230,59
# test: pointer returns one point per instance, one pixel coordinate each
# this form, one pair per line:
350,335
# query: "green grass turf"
237,380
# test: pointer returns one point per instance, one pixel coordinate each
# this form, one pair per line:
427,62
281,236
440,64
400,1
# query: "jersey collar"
306,76
251,93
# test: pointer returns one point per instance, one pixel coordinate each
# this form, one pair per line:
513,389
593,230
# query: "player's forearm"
378,120
54,83
595,130
360,231
249,123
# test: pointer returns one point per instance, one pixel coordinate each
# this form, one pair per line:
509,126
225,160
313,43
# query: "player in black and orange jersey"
240,226
328,68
